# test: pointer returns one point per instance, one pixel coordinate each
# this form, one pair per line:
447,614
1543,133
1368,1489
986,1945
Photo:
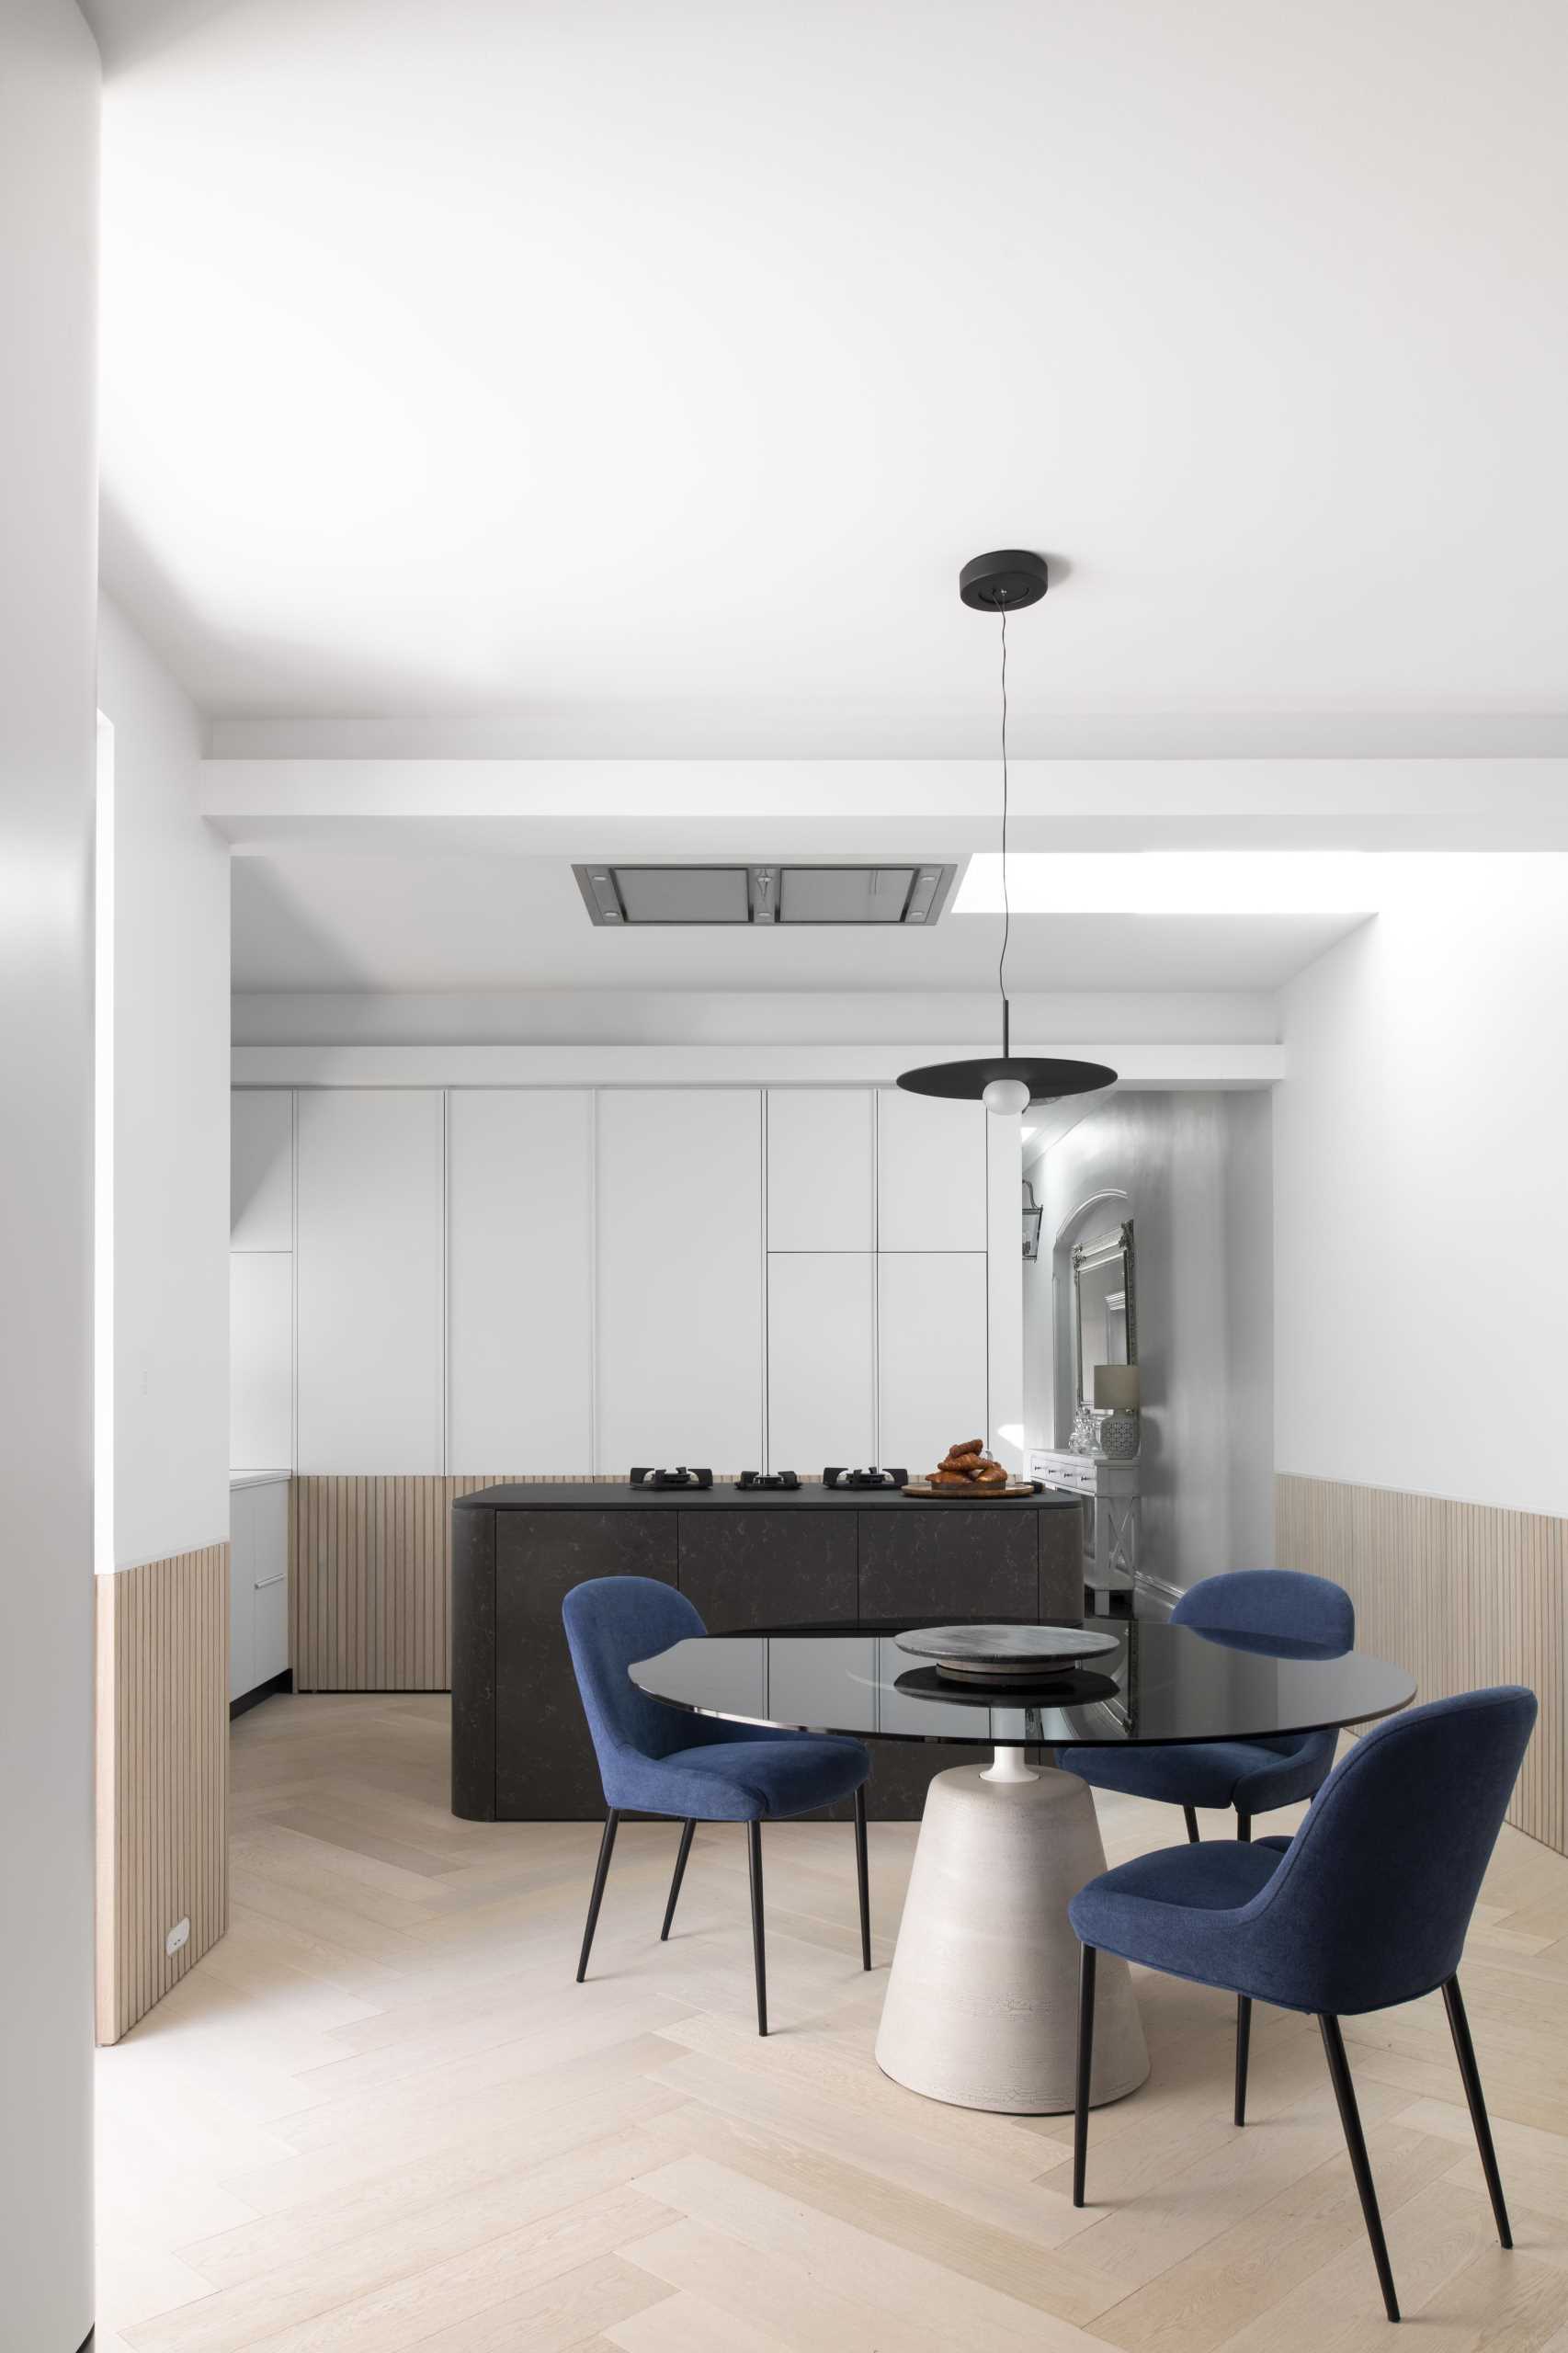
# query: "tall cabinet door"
680,1276
261,1361
519,1279
931,1354
368,1200
820,1195
822,1401
930,1174
261,1168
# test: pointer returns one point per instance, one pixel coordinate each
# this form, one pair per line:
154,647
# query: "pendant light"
1007,1083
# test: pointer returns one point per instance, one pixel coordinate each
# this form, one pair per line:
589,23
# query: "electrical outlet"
178,1934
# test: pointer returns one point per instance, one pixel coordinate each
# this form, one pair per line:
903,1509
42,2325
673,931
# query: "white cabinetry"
261,1360
1110,1493
679,1278
931,1354
261,1277
519,1279
931,1172
822,1404
369,1249
820,1191
258,1582
557,1281
261,1169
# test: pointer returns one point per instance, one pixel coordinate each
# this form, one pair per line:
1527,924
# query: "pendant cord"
1006,908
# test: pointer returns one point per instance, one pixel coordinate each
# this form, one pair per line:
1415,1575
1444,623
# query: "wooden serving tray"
965,1494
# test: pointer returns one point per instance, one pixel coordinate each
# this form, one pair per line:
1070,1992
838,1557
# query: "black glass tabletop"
1161,1683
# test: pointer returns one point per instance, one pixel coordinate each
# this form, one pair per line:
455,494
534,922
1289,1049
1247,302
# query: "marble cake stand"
981,2001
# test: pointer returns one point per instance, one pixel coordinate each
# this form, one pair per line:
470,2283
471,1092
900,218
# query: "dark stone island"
836,1558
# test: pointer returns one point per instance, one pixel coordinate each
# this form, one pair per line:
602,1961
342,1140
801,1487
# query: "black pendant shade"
1047,1081
1001,583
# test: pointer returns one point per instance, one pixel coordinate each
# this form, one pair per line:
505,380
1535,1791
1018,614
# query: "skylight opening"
1177,882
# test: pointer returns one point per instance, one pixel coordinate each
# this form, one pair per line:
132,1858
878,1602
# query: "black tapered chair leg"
1191,1812
1464,2052
1244,1828
685,1849
1243,2042
862,1873
1355,2141
601,1873
754,1841
1086,2068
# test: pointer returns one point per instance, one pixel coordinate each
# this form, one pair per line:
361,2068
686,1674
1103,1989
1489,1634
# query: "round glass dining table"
980,2003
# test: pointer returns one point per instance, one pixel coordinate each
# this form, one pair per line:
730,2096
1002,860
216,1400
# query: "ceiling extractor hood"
622,897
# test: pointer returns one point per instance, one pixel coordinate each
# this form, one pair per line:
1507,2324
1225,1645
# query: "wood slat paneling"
1463,1594
163,1776
369,1578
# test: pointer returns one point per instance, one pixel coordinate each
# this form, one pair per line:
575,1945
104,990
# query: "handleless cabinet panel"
269,1579
261,1169
370,1275
243,1676
753,1568
545,1767
931,1355
938,1561
519,1276
820,1194
261,1360
822,1400
931,1184
681,1278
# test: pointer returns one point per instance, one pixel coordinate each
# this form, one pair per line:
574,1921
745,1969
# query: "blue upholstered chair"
1270,1608
1366,1907
656,1759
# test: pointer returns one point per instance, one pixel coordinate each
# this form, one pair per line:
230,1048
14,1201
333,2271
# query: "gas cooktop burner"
874,1477
679,1477
749,1481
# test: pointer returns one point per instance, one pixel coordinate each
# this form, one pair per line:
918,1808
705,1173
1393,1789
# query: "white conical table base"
982,2007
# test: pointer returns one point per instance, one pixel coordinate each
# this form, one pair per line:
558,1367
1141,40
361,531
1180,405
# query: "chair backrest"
610,1621
1371,1903
1264,1602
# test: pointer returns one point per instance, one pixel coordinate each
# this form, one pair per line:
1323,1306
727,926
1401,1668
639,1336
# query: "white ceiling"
352,920
633,376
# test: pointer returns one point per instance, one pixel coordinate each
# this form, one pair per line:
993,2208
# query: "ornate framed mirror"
1105,1307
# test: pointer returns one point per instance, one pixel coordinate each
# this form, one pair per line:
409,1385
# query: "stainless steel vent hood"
624,896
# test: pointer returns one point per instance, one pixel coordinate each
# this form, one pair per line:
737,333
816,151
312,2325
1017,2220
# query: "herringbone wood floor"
379,2114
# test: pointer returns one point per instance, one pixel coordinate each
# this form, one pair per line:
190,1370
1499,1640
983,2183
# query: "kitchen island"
866,1558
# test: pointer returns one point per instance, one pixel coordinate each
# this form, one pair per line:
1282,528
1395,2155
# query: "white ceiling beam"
1140,1067
718,808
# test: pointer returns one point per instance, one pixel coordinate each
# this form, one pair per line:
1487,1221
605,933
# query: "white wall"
49,119
1421,1265
171,1185
1194,1173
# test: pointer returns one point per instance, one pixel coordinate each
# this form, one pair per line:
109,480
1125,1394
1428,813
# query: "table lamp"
1117,1399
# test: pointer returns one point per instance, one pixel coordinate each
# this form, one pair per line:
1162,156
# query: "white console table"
1110,1493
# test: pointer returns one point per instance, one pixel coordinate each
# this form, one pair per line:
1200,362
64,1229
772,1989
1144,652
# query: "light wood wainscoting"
163,1776
369,1579
1463,1594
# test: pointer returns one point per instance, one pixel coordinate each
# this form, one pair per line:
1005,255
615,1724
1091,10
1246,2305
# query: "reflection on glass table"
981,2001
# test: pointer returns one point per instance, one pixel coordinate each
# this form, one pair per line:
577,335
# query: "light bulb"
1007,1097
